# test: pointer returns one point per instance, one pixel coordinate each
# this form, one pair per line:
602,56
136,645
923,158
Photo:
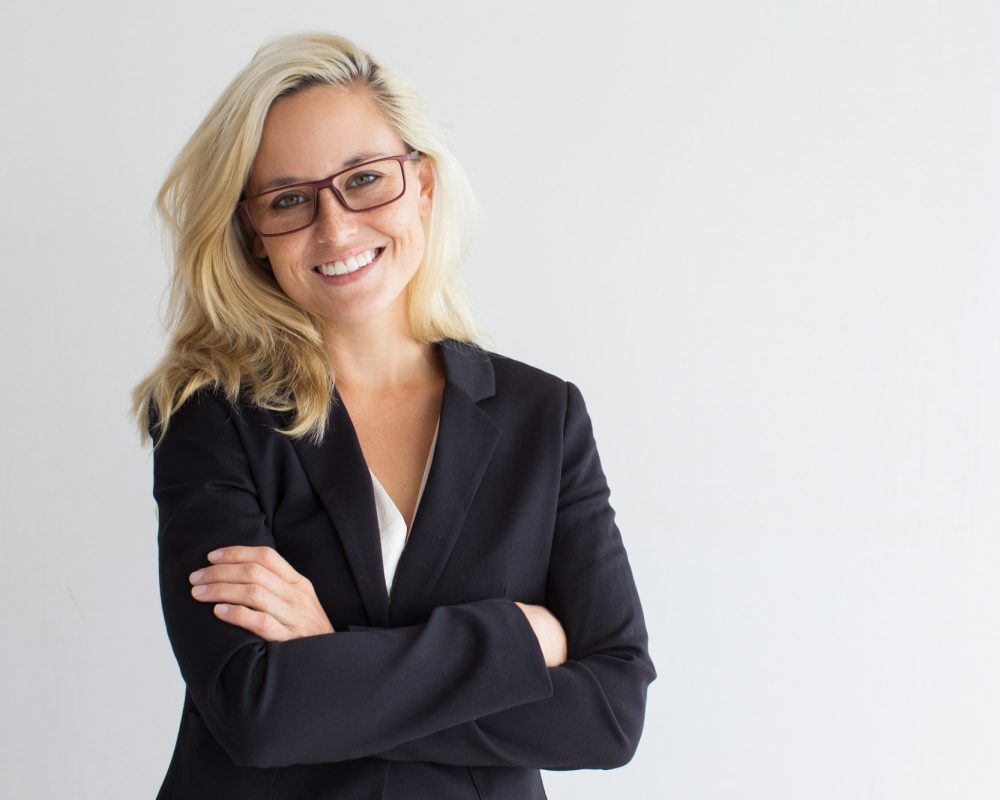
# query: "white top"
391,525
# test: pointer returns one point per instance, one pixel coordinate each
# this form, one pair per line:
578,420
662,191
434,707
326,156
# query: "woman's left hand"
256,589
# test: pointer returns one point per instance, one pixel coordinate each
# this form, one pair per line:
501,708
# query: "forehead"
312,133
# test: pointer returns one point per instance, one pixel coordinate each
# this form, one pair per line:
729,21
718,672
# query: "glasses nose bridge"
328,183
335,212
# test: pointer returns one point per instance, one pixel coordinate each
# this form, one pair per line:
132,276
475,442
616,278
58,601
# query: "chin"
360,315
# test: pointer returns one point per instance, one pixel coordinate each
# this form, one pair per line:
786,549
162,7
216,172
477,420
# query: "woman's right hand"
549,632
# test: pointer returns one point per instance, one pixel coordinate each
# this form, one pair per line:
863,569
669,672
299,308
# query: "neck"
379,355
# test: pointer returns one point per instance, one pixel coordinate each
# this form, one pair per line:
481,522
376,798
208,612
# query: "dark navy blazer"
443,691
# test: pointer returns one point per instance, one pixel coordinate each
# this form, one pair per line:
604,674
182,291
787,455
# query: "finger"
245,572
257,622
251,595
265,556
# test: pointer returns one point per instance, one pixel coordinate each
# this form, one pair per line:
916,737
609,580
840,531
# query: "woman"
322,384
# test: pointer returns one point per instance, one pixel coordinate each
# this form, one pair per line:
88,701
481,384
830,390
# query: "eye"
283,202
361,180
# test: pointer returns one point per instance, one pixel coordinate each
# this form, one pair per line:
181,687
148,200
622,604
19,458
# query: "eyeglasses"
362,187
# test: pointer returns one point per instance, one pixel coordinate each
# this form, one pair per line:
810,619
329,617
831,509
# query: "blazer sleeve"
322,698
595,714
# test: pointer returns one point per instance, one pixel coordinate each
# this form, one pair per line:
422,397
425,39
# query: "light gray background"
761,237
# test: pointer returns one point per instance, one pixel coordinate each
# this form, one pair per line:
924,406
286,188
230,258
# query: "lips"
352,263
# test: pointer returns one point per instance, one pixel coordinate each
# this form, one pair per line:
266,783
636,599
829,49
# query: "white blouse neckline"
392,526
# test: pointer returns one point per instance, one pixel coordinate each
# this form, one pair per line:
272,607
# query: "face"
307,136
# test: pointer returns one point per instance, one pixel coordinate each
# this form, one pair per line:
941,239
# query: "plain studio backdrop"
761,238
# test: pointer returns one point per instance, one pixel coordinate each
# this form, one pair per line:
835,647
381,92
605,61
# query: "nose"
333,222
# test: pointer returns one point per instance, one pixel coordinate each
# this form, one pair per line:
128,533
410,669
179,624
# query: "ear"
426,177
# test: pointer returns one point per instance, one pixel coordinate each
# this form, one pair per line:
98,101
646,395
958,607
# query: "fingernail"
222,608
196,576
215,555
198,591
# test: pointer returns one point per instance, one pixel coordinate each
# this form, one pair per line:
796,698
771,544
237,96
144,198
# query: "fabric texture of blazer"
441,692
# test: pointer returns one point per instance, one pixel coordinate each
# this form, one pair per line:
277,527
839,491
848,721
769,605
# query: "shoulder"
481,372
511,372
540,411
211,415
209,405
507,372
515,385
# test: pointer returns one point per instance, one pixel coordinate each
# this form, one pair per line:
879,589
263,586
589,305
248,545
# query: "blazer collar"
469,368
467,437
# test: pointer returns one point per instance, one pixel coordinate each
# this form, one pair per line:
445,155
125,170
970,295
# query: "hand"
549,632
256,589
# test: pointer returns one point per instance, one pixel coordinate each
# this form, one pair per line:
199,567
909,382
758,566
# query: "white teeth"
351,265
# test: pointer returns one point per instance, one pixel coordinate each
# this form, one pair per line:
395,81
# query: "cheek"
283,256
408,228
412,247
288,273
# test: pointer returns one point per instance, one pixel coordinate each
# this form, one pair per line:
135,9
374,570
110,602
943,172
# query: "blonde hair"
231,326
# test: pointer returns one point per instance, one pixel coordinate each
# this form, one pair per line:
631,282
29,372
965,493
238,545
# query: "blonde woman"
388,563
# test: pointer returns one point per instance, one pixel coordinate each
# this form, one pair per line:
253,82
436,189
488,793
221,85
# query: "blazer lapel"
339,474
467,437
337,470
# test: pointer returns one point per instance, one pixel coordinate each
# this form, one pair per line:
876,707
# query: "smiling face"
314,133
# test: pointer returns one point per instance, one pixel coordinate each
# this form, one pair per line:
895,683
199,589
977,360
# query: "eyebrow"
287,180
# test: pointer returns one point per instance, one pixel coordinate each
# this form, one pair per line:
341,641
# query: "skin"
307,136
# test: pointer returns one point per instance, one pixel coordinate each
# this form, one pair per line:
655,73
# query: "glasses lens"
371,185
282,210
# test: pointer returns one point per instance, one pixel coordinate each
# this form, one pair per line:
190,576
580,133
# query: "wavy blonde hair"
230,325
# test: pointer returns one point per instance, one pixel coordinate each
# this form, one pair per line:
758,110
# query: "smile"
352,264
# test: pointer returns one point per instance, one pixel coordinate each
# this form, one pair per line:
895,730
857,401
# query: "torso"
395,431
